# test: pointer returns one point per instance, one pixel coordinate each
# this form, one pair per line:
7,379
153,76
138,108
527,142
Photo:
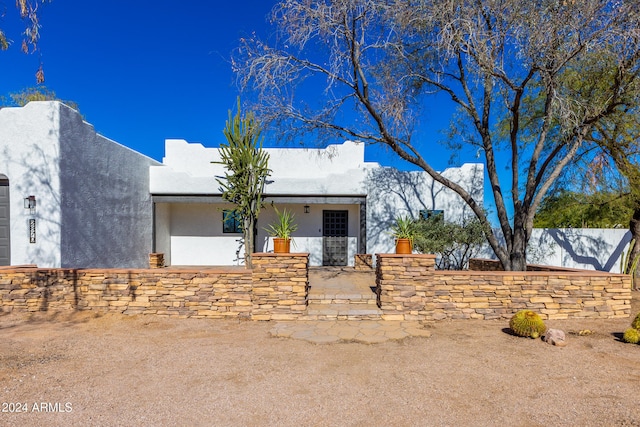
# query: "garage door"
5,245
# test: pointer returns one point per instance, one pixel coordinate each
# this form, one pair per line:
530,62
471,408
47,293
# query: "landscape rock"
555,337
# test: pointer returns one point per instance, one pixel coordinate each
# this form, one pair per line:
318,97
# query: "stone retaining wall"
409,288
276,288
363,262
280,285
478,264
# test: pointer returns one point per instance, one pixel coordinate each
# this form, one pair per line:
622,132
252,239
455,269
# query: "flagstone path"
339,295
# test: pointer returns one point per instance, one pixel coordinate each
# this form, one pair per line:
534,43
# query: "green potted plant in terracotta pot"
281,230
404,231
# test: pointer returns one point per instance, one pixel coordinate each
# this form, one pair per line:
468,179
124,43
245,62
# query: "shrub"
453,243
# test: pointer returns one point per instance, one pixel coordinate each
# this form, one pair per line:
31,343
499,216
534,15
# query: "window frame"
429,213
231,222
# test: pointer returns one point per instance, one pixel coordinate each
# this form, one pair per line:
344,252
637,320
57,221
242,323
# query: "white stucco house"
342,204
91,194
100,204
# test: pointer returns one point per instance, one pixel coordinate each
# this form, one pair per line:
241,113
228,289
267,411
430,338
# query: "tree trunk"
249,241
518,253
634,228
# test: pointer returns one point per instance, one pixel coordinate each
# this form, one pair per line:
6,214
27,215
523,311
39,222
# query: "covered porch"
195,230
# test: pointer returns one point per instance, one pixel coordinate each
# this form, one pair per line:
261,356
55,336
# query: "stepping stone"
323,339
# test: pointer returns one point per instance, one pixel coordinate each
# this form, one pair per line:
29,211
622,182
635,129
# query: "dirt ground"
119,370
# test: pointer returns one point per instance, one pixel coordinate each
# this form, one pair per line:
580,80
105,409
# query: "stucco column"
362,247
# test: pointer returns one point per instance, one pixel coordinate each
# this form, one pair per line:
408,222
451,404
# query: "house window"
431,213
231,222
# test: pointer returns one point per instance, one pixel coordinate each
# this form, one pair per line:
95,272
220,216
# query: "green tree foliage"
29,12
577,210
610,178
247,169
532,82
38,93
618,137
453,243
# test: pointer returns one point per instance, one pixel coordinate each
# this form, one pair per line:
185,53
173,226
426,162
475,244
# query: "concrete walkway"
362,331
342,294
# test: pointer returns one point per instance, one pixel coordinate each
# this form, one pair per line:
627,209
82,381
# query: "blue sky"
144,71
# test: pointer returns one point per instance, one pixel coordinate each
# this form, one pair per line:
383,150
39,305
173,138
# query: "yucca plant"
404,228
284,226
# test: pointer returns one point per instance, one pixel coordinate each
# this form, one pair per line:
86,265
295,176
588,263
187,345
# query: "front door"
334,237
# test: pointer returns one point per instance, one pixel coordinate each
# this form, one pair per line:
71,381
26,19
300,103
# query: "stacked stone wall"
478,264
276,289
411,290
363,262
408,288
280,286
156,260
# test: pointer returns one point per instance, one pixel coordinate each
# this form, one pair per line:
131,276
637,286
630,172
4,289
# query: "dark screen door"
335,240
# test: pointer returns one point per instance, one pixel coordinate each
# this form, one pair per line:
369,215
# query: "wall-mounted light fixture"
30,202
306,208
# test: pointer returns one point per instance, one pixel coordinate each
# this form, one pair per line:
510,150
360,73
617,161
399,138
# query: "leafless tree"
380,59
29,12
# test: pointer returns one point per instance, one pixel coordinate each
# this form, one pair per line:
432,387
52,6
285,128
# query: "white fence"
586,248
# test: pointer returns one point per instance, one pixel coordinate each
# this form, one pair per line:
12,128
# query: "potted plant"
404,232
281,230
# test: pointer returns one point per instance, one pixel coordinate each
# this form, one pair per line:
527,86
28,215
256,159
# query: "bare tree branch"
507,64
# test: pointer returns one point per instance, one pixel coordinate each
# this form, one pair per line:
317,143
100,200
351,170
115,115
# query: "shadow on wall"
38,172
598,249
393,193
106,205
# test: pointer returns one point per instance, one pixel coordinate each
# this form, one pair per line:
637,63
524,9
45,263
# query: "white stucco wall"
197,237
107,213
392,193
582,248
337,169
585,248
306,177
308,238
30,158
196,234
162,233
93,203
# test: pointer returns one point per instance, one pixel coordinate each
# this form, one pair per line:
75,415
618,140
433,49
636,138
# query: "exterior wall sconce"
306,208
30,202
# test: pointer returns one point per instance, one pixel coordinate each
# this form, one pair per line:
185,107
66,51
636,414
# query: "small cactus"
527,323
636,322
631,335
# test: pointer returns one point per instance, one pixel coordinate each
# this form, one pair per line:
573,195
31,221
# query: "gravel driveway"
120,370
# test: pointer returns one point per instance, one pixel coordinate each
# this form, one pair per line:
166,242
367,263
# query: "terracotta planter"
281,246
404,246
